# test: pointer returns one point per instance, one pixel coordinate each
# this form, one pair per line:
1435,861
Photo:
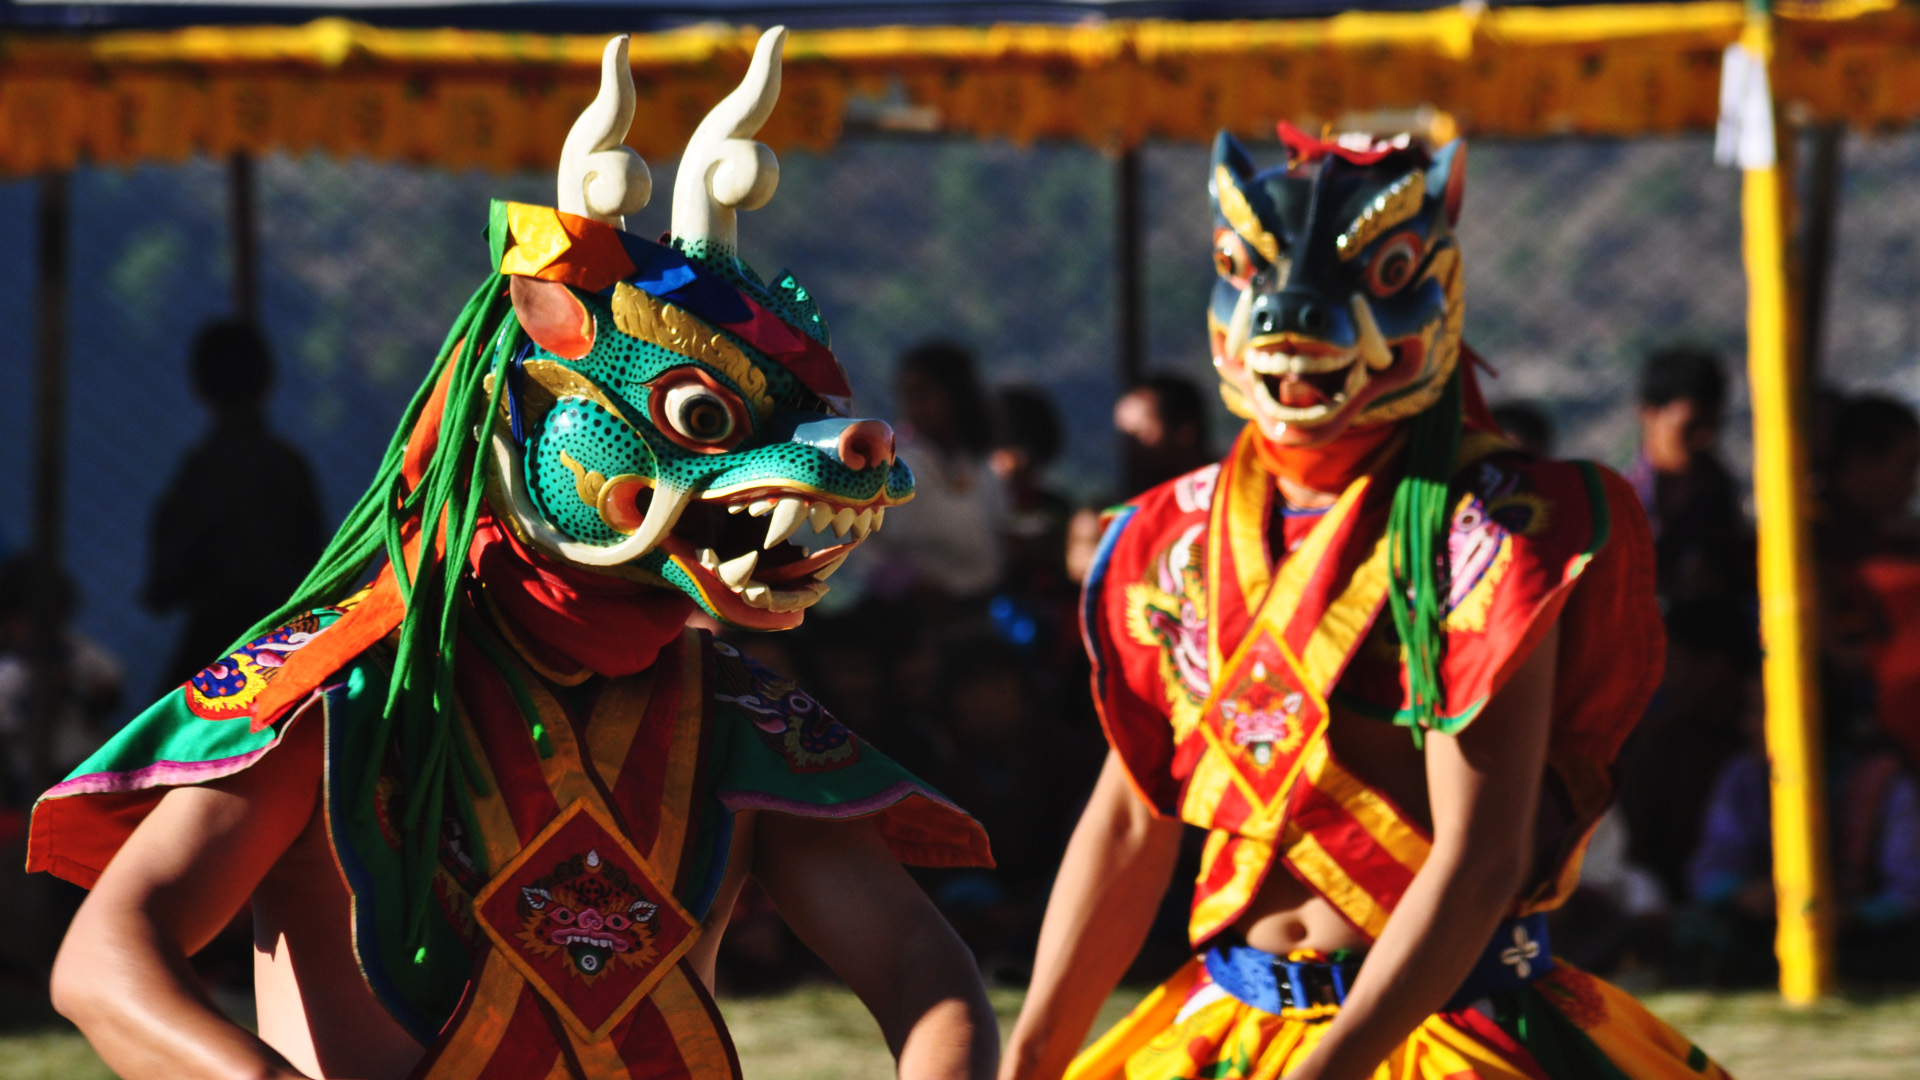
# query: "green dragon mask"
667,414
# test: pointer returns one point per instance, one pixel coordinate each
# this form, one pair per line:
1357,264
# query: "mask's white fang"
600,177
723,169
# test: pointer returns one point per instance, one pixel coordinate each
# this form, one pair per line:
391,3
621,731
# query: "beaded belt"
1316,984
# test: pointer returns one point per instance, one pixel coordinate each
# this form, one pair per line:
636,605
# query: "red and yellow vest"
1218,663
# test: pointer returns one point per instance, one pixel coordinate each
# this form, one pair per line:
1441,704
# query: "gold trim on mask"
642,315
586,483
1239,214
1400,201
1441,339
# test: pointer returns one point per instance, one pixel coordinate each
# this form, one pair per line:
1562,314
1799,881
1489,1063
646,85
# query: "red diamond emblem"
583,917
1263,716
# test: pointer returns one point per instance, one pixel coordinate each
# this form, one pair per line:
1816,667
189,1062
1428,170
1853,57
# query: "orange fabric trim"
1359,452
382,609
689,739
698,1034
553,245
425,437
921,832
373,618
470,1040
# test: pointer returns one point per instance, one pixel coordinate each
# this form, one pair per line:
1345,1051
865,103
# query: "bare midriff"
1286,915
315,1007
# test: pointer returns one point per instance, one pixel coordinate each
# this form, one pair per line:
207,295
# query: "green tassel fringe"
1417,526
437,766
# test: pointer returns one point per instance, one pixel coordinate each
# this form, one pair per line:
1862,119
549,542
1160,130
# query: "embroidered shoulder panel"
1497,503
228,688
787,719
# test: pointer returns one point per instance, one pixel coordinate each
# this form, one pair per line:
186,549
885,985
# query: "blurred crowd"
953,645
1678,883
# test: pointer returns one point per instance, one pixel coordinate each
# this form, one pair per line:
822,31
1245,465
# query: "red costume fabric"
1218,662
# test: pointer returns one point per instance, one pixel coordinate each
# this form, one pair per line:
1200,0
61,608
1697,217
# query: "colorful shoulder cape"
1217,666
591,861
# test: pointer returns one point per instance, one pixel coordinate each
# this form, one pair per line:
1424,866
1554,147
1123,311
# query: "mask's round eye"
562,916
1230,258
699,414
696,412
1392,266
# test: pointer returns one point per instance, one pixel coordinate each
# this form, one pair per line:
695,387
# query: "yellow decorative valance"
461,99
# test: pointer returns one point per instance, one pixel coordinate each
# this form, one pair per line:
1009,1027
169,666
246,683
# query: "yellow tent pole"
1788,610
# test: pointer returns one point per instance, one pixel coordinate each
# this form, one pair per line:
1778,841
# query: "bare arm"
1483,786
122,972
1116,870
852,903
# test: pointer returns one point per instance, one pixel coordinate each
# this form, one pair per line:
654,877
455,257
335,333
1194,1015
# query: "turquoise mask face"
668,416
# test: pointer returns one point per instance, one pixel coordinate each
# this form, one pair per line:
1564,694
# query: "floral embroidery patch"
787,718
228,687
1497,505
1167,611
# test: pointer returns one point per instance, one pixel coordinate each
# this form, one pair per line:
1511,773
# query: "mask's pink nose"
866,443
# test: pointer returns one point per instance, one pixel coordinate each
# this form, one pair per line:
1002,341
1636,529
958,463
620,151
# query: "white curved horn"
600,177
724,170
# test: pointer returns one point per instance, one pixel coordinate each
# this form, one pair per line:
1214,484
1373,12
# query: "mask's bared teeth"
879,515
844,520
734,508
736,572
826,571
820,516
787,516
708,558
760,507
863,523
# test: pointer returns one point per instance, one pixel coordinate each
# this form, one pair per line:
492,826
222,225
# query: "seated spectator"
1617,918
1692,503
1163,424
1690,730
1528,425
88,679
239,526
946,544
1026,440
1872,474
1869,563
998,759
1874,815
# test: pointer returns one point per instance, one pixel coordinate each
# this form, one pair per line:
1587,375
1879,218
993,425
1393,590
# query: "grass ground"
822,1033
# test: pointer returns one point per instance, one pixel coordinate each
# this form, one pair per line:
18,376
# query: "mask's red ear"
1449,174
552,316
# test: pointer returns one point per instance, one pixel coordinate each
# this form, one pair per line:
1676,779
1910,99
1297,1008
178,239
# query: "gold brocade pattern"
459,99
1188,1027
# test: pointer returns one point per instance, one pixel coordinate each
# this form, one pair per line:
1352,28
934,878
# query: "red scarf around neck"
1330,468
571,619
